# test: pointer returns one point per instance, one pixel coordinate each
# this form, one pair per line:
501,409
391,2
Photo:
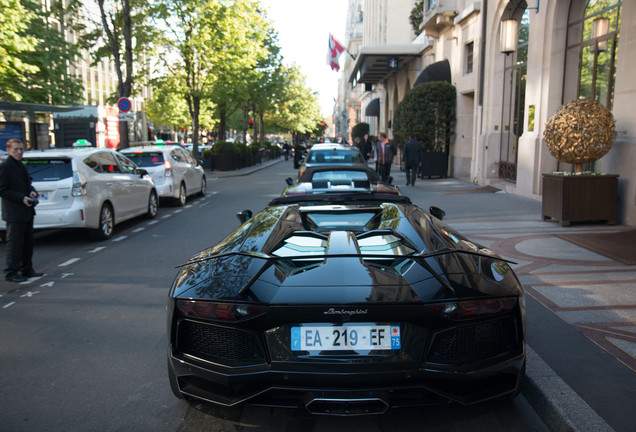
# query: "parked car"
331,155
174,170
339,179
88,188
345,303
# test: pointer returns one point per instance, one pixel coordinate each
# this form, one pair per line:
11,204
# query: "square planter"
434,164
580,198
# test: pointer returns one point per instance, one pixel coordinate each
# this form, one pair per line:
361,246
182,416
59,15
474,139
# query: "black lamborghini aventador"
345,301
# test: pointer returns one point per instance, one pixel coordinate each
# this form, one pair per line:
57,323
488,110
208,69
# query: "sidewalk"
580,305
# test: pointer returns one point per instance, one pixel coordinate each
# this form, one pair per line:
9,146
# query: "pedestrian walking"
367,147
412,157
19,198
384,156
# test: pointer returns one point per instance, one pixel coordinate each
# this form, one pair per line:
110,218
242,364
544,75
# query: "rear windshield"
146,159
48,169
335,156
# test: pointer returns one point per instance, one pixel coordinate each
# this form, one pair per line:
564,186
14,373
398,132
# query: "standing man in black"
18,203
384,156
412,158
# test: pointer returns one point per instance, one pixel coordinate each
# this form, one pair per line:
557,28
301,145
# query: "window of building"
468,56
592,45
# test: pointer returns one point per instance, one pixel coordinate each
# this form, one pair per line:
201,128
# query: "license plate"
345,338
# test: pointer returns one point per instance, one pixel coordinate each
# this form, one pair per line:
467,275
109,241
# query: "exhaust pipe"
325,404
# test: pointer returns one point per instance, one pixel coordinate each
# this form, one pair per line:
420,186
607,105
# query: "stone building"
562,50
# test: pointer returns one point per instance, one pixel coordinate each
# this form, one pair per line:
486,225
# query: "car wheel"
204,186
181,200
106,224
174,386
153,205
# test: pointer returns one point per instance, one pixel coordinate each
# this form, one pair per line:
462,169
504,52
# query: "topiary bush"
223,147
428,111
359,130
580,132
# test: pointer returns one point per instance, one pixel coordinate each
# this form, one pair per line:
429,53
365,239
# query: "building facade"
564,50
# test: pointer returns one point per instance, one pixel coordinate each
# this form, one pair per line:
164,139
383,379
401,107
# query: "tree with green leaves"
15,44
54,55
210,40
124,34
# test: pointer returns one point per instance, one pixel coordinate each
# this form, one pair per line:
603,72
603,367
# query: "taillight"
474,308
219,311
79,184
168,168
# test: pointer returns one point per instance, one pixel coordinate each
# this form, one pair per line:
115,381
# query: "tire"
183,197
153,205
204,186
106,223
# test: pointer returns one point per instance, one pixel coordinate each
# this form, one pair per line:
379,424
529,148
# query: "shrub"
207,154
359,130
223,147
428,111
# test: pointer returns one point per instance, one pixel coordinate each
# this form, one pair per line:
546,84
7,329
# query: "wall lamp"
600,27
508,36
536,8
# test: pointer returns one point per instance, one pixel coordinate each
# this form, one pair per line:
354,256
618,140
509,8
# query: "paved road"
83,348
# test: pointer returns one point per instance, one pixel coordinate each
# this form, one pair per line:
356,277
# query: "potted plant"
428,111
579,133
207,159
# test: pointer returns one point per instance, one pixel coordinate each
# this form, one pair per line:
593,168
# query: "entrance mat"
619,246
485,189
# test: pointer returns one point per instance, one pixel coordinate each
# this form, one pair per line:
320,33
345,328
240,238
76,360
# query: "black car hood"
249,265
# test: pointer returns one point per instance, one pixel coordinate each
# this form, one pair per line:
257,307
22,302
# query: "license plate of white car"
345,338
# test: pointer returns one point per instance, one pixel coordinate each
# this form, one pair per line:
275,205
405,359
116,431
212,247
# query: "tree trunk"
261,125
222,121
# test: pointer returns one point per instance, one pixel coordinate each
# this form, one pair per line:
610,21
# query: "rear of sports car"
348,330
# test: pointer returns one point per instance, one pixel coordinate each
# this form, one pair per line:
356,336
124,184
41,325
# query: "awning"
438,71
33,107
373,63
373,108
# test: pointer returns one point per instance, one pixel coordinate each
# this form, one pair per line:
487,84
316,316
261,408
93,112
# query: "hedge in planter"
429,112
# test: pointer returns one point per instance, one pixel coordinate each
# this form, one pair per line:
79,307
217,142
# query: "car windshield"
335,157
48,169
146,158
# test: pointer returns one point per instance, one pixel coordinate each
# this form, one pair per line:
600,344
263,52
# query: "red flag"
333,54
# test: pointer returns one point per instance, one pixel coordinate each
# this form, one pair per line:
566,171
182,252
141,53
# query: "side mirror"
244,216
142,172
437,212
289,181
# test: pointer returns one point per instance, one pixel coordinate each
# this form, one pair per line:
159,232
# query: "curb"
560,407
245,172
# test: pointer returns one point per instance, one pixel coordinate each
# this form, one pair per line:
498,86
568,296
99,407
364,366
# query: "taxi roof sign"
81,143
159,142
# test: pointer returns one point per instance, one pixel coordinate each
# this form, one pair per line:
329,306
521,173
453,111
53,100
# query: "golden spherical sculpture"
580,132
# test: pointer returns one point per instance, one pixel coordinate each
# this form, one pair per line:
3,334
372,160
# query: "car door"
138,187
193,181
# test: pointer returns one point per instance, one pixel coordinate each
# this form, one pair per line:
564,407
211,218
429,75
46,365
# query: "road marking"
69,262
214,192
65,275
188,206
177,211
153,222
136,230
48,284
29,294
166,216
118,239
7,305
97,249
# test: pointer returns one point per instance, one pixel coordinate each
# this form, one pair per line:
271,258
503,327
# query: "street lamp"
508,36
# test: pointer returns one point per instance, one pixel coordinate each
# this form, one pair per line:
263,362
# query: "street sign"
125,116
124,104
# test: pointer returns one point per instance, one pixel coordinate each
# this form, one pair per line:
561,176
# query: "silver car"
90,188
174,170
